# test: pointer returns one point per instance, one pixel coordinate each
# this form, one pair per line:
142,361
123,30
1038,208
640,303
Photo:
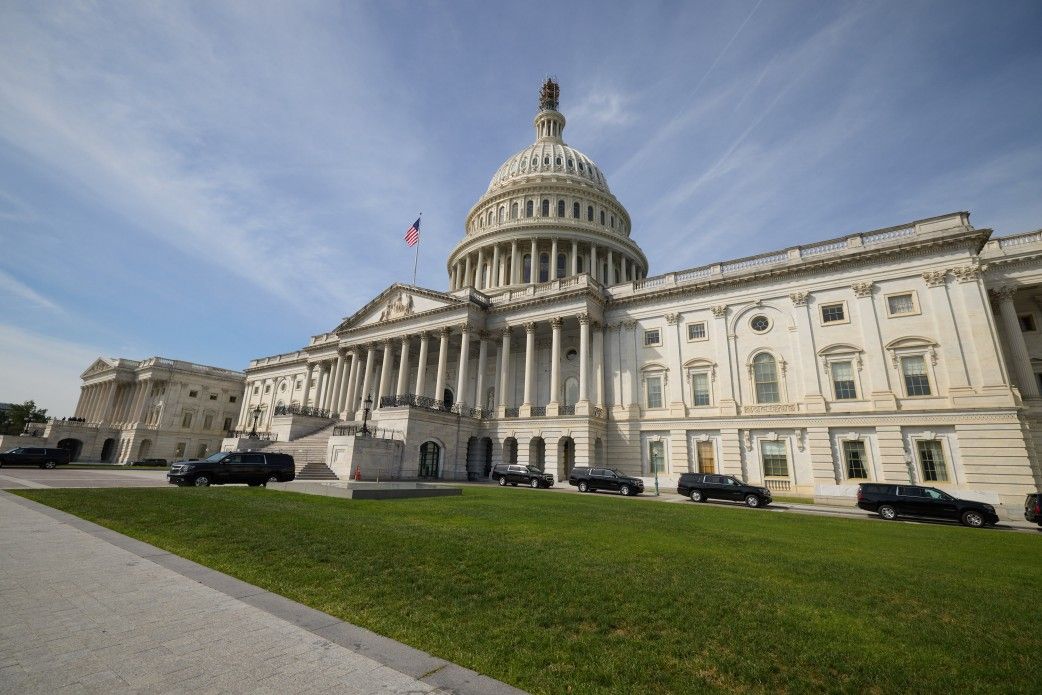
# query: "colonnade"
113,402
500,265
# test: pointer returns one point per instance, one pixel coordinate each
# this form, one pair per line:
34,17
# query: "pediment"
839,349
101,364
400,302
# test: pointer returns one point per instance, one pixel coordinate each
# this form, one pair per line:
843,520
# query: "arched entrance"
537,453
565,457
107,450
510,451
144,449
73,446
430,461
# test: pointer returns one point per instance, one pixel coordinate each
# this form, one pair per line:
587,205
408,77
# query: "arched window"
562,264
430,458
579,264
589,213
560,208
765,376
613,221
513,211
502,211
489,220
544,267
545,212
546,161
483,282
529,206
557,161
526,268
602,216
575,210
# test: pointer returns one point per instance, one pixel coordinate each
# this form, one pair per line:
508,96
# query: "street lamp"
368,404
256,416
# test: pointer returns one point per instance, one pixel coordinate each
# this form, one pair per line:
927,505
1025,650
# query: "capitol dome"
551,203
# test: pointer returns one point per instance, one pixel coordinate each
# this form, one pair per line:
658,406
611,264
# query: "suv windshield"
214,458
533,469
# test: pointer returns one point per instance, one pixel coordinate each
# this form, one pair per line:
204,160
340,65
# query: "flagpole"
416,259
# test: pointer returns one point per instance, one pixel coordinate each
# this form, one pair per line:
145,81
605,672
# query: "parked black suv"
593,479
512,474
1033,508
892,501
251,467
706,486
34,456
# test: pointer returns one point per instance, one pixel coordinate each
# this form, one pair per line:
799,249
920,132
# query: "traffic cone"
358,472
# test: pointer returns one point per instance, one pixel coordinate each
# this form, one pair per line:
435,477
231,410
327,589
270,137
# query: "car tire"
583,487
697,496
752,501
625,490
534,484
502,482
201,481
972,518
48,465
272,479
887,512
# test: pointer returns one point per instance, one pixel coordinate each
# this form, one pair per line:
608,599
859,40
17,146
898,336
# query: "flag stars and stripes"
412,237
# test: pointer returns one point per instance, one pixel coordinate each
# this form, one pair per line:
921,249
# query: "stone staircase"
309,454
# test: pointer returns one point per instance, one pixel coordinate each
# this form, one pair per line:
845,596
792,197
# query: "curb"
408,660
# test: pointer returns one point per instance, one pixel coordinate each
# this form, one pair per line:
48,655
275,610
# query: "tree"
19,415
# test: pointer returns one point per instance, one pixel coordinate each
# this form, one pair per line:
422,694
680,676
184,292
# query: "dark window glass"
560,208
546,208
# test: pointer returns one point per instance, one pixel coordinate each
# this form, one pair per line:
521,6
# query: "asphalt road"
14,478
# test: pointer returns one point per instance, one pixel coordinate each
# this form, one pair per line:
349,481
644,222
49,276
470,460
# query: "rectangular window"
654,391
696,331
917,383
900,304
833,313
931,460
700,388
267,388
213,396
256,390
232,399
186,420
843,380
854,455
1027,323
652,338
298,384
227,424
208,422
775,460
193,394
657,456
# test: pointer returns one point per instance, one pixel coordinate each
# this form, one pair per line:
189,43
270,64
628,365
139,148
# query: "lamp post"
256,416
367,403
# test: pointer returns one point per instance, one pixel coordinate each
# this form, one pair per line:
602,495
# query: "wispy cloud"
42,368
19,291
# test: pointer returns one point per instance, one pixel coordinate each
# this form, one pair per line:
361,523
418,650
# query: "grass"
592,593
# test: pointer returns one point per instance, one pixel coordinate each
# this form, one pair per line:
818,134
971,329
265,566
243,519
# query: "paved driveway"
22,478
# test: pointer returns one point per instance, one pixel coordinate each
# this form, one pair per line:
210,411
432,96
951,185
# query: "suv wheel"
48,465
887,512
272,479
502,481
752,501
697,496
625,490
583,487
973,519
534,483
201,481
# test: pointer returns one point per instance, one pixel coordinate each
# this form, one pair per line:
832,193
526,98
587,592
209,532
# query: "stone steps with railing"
309,450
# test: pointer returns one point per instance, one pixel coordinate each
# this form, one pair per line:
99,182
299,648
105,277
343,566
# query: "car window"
911,492
937,494
597,472
608,473
715,479
232,458
533,469
253,458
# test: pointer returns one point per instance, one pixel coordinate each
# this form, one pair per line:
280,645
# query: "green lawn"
593,593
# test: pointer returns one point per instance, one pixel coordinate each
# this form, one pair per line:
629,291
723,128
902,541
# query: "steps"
309,453
316,471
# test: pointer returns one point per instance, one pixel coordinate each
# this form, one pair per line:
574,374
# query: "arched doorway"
73,446
144,449
537,453
565,457
485,448
107,449
430,460
510,451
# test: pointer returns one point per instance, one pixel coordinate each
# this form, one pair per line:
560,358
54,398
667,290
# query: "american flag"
412,237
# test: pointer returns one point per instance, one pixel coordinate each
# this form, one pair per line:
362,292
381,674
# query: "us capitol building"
910,353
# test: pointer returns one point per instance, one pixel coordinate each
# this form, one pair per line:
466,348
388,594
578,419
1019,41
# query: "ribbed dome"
549,158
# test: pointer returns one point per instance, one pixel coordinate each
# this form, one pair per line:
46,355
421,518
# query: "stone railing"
886,235
512,412
304,410
538,411
279,359
567,410
770,409
551,287
1020,239
251,434
371,432
777,485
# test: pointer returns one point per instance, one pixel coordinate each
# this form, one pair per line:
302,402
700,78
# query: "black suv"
250,467
1033,508
34,456
593,479
892,501
512,474
706,486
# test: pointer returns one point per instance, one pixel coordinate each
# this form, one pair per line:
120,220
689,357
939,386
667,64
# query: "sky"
218,181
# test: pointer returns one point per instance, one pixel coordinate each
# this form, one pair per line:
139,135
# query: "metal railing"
538,411
512,412
304,410
567,410
371,432
250,434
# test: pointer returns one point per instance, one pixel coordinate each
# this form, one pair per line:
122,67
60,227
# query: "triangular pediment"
102,364
400,302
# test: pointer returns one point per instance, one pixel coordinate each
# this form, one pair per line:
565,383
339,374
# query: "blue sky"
218,181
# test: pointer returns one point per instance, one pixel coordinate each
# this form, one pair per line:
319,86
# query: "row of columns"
486,269
112,402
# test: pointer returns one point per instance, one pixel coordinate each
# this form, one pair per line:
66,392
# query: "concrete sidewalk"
85,609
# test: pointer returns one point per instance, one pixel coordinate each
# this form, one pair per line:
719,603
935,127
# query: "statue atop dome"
549,95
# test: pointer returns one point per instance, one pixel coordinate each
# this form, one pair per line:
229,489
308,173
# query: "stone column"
533,274
529,364
515,273
881,392
598,364
553,259
504,373
468,273
724,375
307,385
443,362
479,389
403,368
494,271
479,273
615,362
609,279
139,402
367,380
385,370
421,366
593,263
338,375
675,377
1018,350
584,359
555,365
948,333
575,258
629,342
976,310
320,385
808,355
350,373
464,362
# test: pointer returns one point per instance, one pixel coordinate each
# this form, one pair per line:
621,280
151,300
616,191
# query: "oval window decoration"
760,323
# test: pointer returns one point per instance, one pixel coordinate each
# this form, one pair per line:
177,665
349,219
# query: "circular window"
760,323
571,355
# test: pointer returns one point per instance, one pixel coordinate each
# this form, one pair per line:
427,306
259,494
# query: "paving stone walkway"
84,609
